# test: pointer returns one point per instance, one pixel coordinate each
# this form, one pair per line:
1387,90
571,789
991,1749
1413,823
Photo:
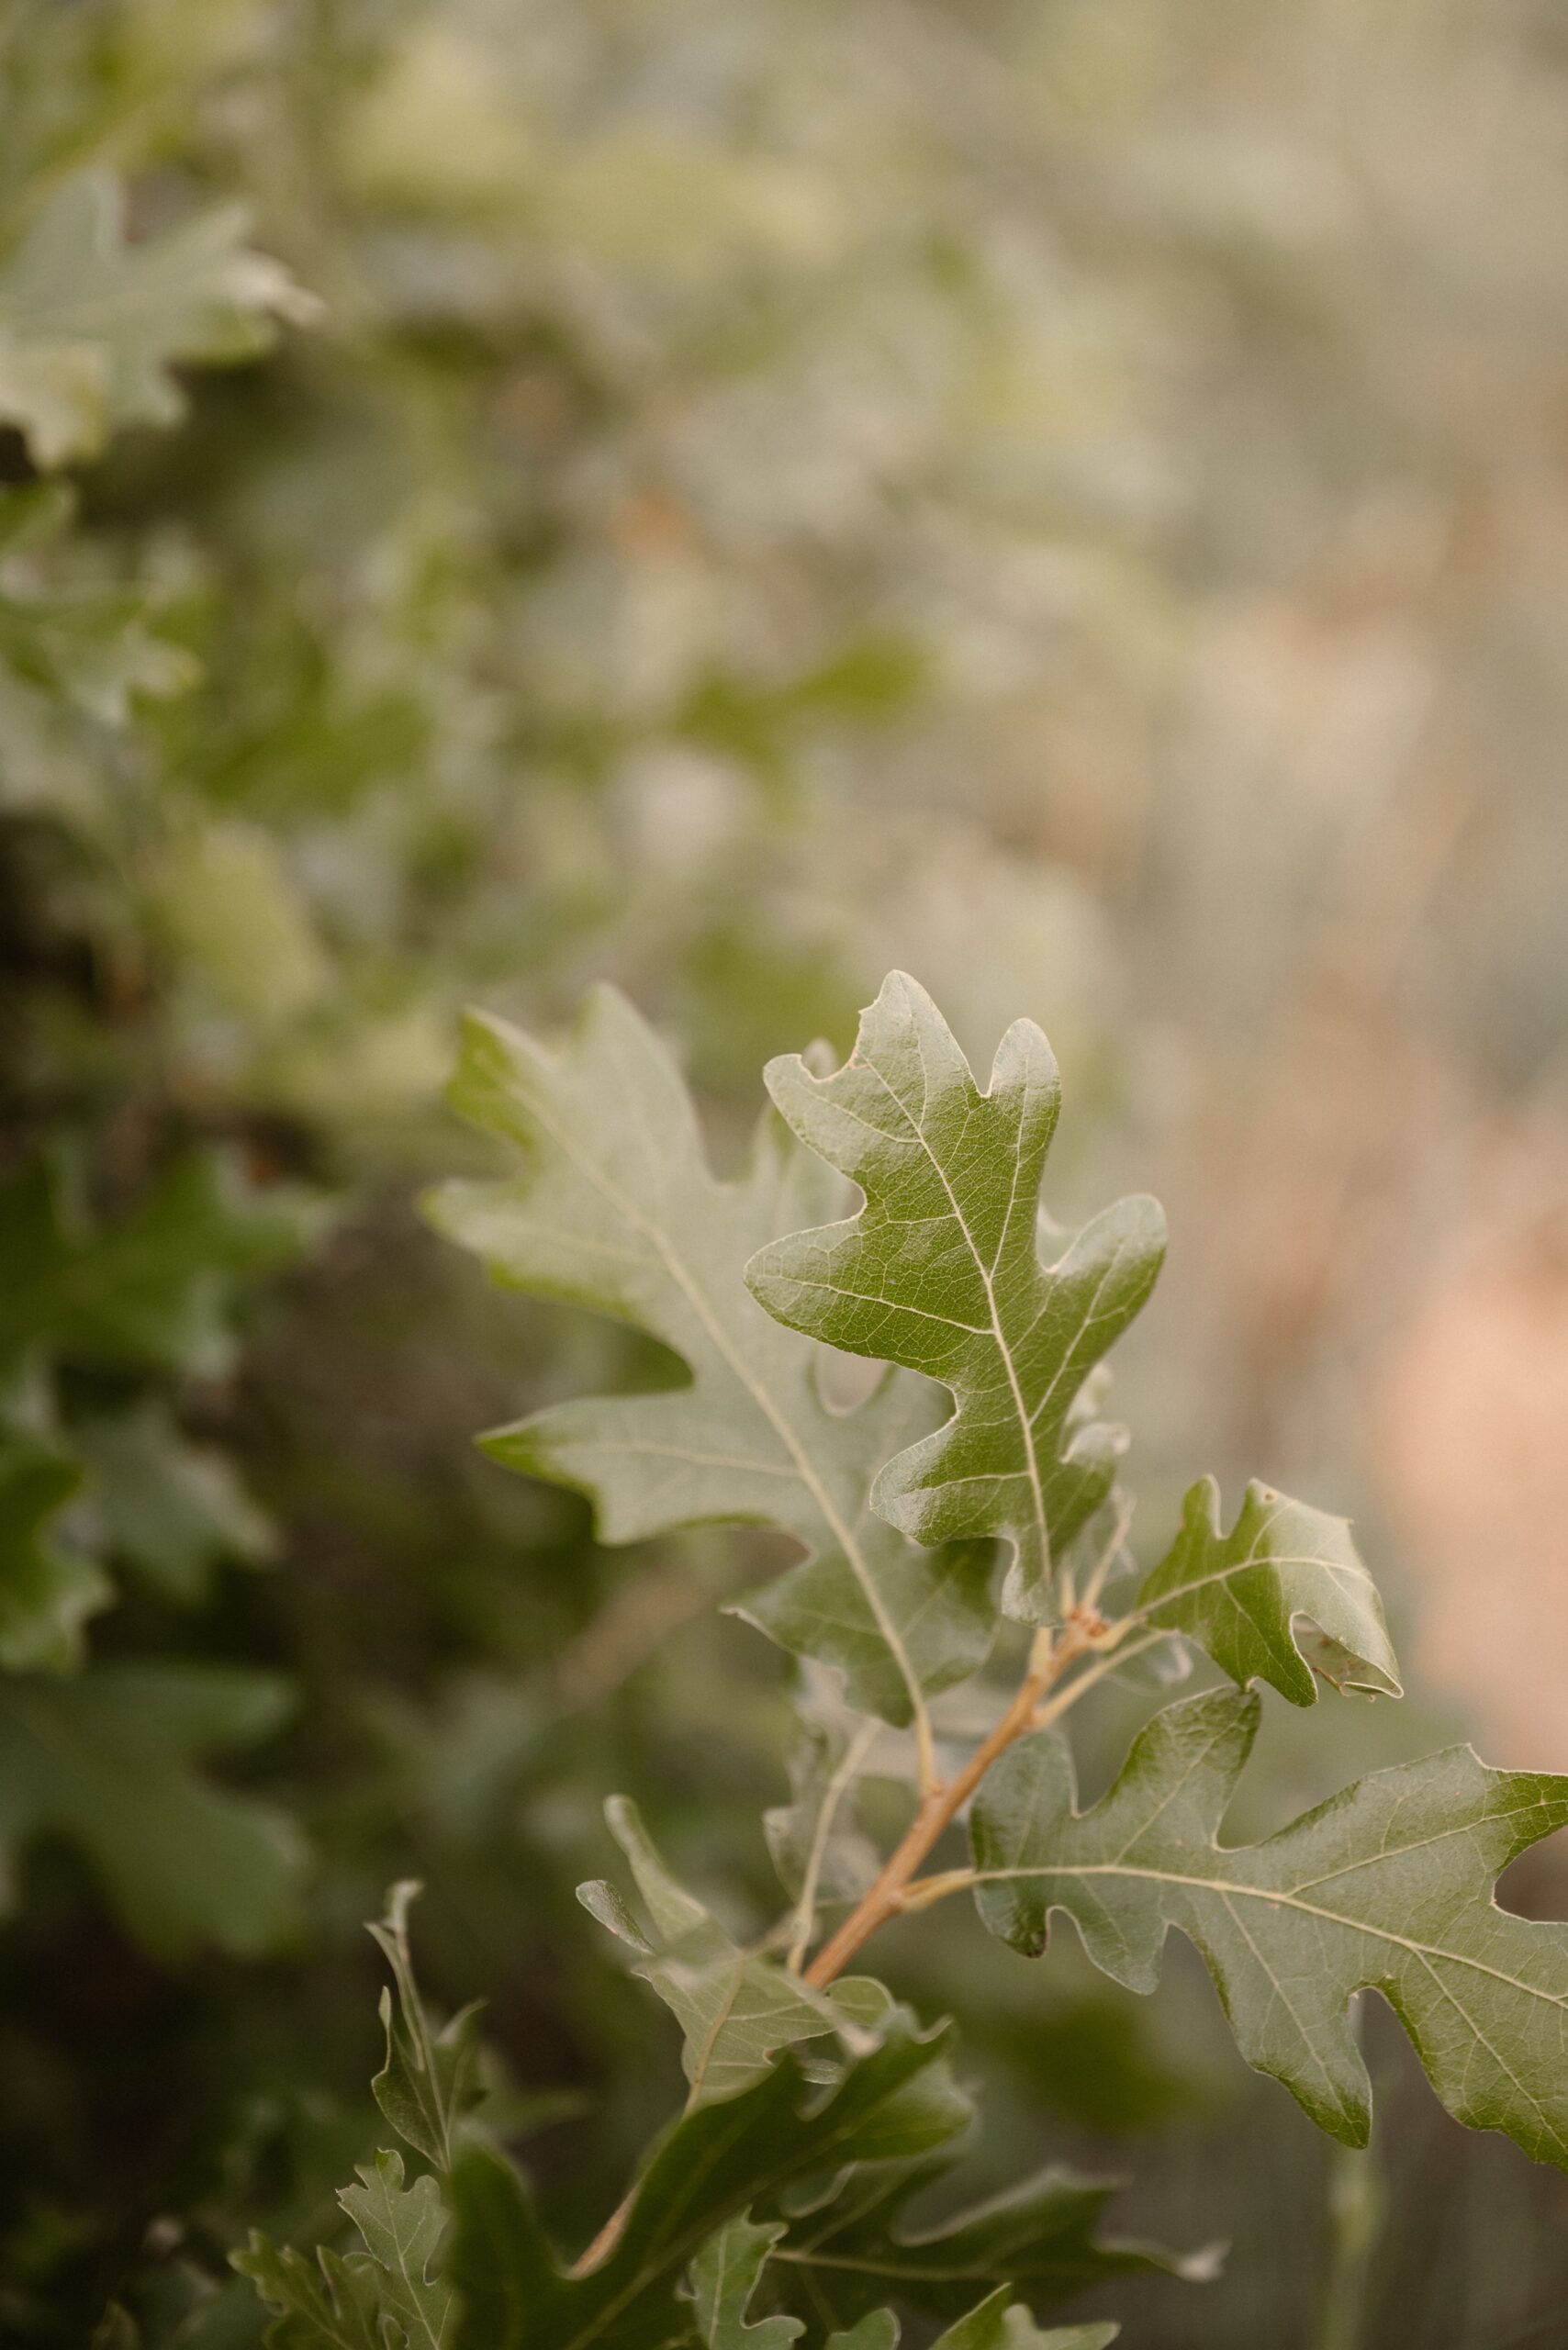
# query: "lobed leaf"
334,2304
725,2273
383,2298
891,2105
940,1271
1000,2324
615,1208
402,2228
92,326
1037,2243
175,1509
1387,1886
1239,1596
110,1761
737,2009
723,2278
47,1590
427,2076
157,1288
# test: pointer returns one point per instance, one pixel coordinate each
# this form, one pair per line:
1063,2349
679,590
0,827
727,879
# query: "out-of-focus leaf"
108,1762
157,1288
940,1271
175,1509
89,642
1000,2323
737,2009
91,325
47,1590
1238,1595
1038,2244
1387,1885
228,906
893,2104
724,2279
615,1208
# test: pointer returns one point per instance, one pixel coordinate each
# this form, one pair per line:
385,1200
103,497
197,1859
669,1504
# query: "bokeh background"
1068,496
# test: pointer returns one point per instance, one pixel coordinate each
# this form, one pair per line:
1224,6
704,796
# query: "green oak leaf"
1239,1594
383,2298
175,1509
428,2078
108,1761
157,1288
1387,1885
1000,2324
819,1847
892,2104
1037,2243
402,2228
335,2304
724,2279
881,2331
92,326
737,2009
941,1272
66,631
615,1208
47,1590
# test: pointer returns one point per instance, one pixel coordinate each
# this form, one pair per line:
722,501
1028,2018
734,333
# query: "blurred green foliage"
726,497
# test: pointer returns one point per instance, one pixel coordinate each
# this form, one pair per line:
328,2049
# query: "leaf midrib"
674,2250
1278,1899
736,1361
1002,1347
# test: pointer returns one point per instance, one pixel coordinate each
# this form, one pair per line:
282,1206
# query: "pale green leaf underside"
1387,1885
737,2009
91,325
1239,1594
819,1846
724,2279
332,2303
941,1272
390,2297
402,2228
427,2076
615,1208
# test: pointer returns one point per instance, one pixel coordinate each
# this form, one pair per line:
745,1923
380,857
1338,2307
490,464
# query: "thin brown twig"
939,1806
1049,1657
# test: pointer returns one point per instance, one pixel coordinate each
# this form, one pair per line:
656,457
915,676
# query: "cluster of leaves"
815,2108
112,1316
456,2258
486,499
939,1276
298,746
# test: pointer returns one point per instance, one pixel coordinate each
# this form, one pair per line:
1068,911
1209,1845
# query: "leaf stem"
837,1787
1108,1556
939,1805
